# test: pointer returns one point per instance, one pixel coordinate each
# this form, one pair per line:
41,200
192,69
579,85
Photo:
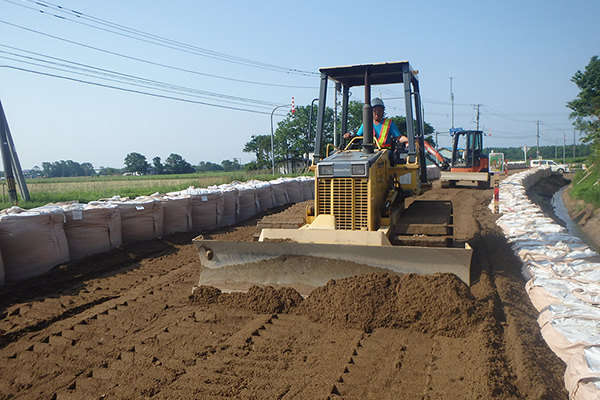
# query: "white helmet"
377,102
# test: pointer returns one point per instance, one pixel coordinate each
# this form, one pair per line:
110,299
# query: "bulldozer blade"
232,266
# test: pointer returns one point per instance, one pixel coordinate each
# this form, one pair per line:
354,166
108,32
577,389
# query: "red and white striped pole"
496,180
293,106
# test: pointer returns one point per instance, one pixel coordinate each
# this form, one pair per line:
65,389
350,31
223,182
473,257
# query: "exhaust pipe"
367,145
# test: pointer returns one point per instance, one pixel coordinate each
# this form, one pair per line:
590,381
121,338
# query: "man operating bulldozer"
384,129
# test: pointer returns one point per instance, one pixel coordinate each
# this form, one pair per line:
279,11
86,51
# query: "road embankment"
585,215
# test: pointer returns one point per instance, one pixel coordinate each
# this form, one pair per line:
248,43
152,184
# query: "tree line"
135,163
546,152
293,140
294,137
586,106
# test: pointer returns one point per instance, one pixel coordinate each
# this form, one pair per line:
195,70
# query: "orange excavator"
467,164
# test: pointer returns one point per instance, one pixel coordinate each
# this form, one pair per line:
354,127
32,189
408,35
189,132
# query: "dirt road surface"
123,325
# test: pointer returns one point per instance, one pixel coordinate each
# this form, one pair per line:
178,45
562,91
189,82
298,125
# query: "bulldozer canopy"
381,73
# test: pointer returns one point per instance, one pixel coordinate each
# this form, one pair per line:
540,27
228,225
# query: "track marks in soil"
262,359
392,364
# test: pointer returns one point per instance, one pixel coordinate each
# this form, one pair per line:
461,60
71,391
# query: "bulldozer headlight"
325,170
359,169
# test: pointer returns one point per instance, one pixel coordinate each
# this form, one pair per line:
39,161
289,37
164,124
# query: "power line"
90,71
135,91
150,62
135,34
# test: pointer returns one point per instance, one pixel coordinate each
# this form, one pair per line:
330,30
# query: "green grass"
586,186
43,191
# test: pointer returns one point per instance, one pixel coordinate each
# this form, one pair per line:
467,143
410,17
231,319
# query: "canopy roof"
380,74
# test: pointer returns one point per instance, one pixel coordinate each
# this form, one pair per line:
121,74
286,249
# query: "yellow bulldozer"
359,214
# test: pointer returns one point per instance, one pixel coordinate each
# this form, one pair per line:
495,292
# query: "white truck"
560,168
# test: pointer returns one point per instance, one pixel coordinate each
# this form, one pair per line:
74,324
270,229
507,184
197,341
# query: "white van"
560,168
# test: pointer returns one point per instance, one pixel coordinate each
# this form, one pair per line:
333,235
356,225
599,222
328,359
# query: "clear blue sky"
515,58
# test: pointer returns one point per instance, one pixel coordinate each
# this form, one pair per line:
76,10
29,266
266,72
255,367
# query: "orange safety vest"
383,134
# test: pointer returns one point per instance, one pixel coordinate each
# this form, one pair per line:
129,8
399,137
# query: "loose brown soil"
124,325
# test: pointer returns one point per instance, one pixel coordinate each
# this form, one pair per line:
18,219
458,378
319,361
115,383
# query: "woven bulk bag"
91,229
293,189
248,205
141,218
280,195
229,212
177,212
308,187
207,206
32,242
433,172
264,194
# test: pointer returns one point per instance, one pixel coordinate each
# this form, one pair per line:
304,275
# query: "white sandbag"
229,211
582,376
91,229
308,187
564,282
293,189
141,218
32,242
280,195
177,212
207,206
264,193
433,172
247,201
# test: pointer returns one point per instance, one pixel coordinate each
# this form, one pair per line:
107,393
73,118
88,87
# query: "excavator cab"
470,158
468,162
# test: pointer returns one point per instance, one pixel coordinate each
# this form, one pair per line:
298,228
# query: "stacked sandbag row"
433,172
90,228
141,218
34,241
31,242
563,283
229,204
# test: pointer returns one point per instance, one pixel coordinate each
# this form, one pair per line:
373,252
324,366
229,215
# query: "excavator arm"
439,160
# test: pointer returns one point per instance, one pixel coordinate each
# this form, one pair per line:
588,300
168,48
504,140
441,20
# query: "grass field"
85,189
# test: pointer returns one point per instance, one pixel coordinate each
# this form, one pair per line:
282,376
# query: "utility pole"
477,116
564,147
537,136
12,166
452,101
272,138
574,142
